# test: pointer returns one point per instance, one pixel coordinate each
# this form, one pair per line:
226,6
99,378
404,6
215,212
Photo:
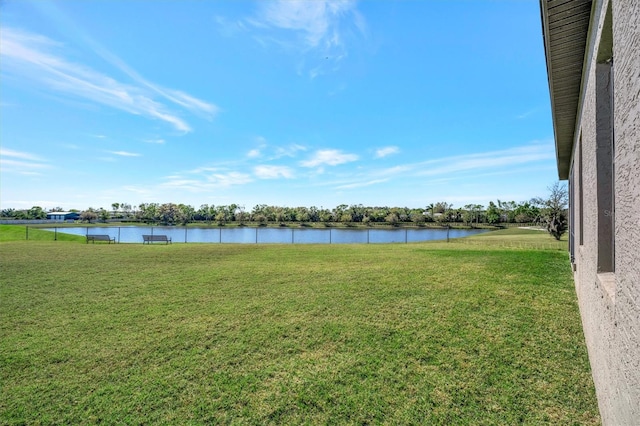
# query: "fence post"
185,234
118,235
55,233
27,228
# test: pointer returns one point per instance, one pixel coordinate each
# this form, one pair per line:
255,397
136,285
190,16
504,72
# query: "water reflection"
285,235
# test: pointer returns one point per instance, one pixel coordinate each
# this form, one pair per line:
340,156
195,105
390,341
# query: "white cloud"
274,153
317,20
70,146
488,160
330,157
273,172
526,114
254,153
124,153
204,170
155,141
228,28
187,101
400,169
257,152
361,184
205,181
229,179
19,154
183,99
463,167
289,151
20,162
39,59
320,28
135,189
387,150
473,164
16,165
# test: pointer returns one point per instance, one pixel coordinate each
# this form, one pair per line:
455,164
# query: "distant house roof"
565,26
62,213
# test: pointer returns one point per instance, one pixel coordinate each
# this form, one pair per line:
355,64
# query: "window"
580,194
605,149
572,214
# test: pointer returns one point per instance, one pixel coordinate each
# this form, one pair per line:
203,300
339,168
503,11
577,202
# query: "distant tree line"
182,214
549,211
35,212
441,212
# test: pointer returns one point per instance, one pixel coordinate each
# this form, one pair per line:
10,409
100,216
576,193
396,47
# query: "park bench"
155,238
100,237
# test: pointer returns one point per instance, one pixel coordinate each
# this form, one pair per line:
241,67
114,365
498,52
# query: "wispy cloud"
4,152
229,28
229,179
317,21
155,141
42,60
488,160
318,26
273,172
124,153
330,157
185,100
70,146
275,153
386,151
471,166
21,162
526,114
254,153
20,166
210,178
289,151
361,184
205,179
258,151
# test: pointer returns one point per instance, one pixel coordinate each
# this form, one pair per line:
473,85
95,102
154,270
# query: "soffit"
565,25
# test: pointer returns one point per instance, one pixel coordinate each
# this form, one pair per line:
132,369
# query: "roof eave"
568,32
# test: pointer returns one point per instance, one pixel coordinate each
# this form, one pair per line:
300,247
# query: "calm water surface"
133,234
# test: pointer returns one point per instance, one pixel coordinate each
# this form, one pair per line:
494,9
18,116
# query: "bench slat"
155,238
100,237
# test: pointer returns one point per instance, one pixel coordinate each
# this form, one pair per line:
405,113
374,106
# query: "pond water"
133,234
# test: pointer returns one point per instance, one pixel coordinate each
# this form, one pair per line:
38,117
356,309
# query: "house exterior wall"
62,216
609,293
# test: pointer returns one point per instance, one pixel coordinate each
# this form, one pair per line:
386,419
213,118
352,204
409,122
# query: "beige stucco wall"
610,302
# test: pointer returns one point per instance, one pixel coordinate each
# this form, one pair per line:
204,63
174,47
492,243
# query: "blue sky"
290,103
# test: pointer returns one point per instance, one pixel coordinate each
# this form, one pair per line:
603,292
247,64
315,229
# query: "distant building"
592,50
63,216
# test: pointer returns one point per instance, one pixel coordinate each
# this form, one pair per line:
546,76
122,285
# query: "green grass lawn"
22,233
427,333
